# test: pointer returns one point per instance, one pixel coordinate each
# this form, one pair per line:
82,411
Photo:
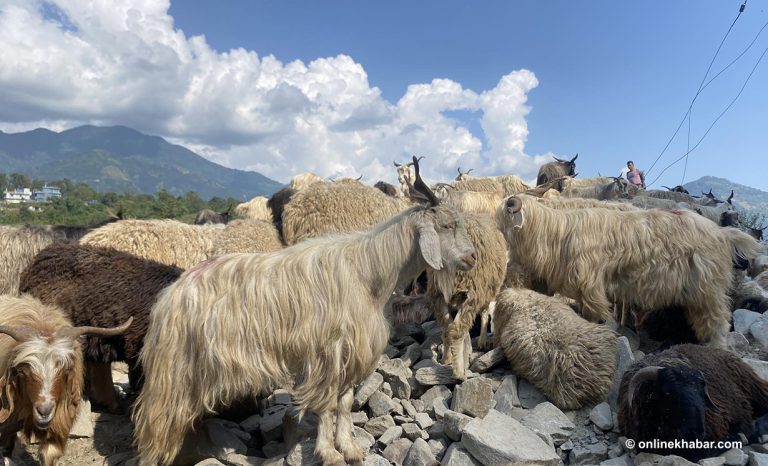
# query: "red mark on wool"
196,272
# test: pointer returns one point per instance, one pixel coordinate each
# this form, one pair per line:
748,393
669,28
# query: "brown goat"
41,363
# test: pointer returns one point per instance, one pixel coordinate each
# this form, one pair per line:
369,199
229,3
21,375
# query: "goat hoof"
353,454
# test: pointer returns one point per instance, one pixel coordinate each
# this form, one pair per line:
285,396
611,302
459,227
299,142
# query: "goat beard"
6,399
445,281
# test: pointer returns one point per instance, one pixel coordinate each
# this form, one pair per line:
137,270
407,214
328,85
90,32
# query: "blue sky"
608,80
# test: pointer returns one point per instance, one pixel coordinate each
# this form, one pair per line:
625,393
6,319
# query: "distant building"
46,194
18,195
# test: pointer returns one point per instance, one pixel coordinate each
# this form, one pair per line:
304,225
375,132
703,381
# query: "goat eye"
449,226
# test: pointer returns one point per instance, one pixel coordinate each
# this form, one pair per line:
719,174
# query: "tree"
3,182
19,180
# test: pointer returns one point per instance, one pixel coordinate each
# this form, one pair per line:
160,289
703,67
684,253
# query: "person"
634,175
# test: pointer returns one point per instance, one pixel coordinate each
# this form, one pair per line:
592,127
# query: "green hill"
121,159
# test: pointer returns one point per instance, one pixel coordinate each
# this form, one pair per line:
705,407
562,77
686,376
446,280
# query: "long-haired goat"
207,216
405,176
688,393
255,209
41,373
570,360
471,292
310,318
556,169
644,259
100,287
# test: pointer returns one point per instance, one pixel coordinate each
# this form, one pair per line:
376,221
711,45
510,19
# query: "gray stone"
436,375
529,395
644,457
378,425
359,418
506,395
367,388
737,343
391,351
454,424
439,408
410,410
278,397
438,447
743,320
759,330
631,336
488,361
567,446
419,405
411,355
602,416
588,454
473,397
271,423
386,389
735,457
423,420
397,450
456,455
251,424
437,431
235,459
375,460
390,435
380,404
674,460
624,359
716,461
363,439
760,367
499,439
440,392
303,454
424,363
212,440
623,460
411,431
275,461
758,459
273,448
548,419
402,419
420,454
210,462
83,426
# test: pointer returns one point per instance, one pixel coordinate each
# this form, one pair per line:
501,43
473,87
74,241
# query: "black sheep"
100,287
691,392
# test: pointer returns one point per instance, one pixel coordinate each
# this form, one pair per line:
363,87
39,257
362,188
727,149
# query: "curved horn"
574,159
559,160
458,169
646,374
396,164
469,171
666,187
410,164
359,177
73,333
729,197
514,205
20,334
422,187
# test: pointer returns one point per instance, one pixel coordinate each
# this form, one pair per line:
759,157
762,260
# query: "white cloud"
122,62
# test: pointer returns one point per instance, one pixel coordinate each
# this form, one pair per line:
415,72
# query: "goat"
509,184
100,287
644,259
474,201
685,393
41,367
617,188
386,188
677,189
757,233
304,180
276,205
207,216
255,209
310,317
570,360
405,176
471,292
556,169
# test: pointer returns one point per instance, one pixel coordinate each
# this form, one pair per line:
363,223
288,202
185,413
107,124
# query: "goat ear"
708,400
429,243
6,399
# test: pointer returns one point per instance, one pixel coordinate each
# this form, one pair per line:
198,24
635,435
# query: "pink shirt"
634,177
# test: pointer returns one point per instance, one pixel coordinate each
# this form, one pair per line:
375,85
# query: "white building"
18,195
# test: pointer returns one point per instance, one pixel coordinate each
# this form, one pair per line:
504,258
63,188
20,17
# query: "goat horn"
514,205
646,374
359,177
397,164
559,160
73,333
574,159
422,187
458,169
20,334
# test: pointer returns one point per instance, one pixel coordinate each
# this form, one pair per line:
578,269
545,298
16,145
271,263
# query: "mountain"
121,159
744,197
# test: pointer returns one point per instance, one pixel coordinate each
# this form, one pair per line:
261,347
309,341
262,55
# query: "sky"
345,88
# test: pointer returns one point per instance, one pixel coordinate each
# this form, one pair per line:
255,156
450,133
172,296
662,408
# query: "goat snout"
44,414
469,261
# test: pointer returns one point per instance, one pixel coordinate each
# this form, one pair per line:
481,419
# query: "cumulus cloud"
68,62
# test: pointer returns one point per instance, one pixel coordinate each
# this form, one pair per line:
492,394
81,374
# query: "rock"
439,408
367,388
359,418
760,367
274,461
759,330
375,460
588,454
83,426
456,455
386,389
273,448
411,355
735,457
436,375
278,397
410,410
602,416
674,460
529,395
402,419
440,392
758,459
212,440
506,395
624,359
396,373
210,462
271,423
548,419
411,431
743,320
644,457
362,438
378,425
391,434
420,454
473,397
424,363
423,420
438,447
716,461
487,361
303,454
242,460
380,404
437,431
624,460
737,343
499,439
397,450
454,424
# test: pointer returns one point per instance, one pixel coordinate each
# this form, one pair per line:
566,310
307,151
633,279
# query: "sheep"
386,188
570,360
329,208
304,180
255,209
100,287
474,201
310,317
20,244
685,393
247,236
165,241
471,292
643,259
41,368
556,169
207,216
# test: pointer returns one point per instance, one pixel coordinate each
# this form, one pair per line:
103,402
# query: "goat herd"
301,292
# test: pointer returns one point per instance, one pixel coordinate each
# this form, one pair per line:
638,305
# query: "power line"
698,91
716,119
